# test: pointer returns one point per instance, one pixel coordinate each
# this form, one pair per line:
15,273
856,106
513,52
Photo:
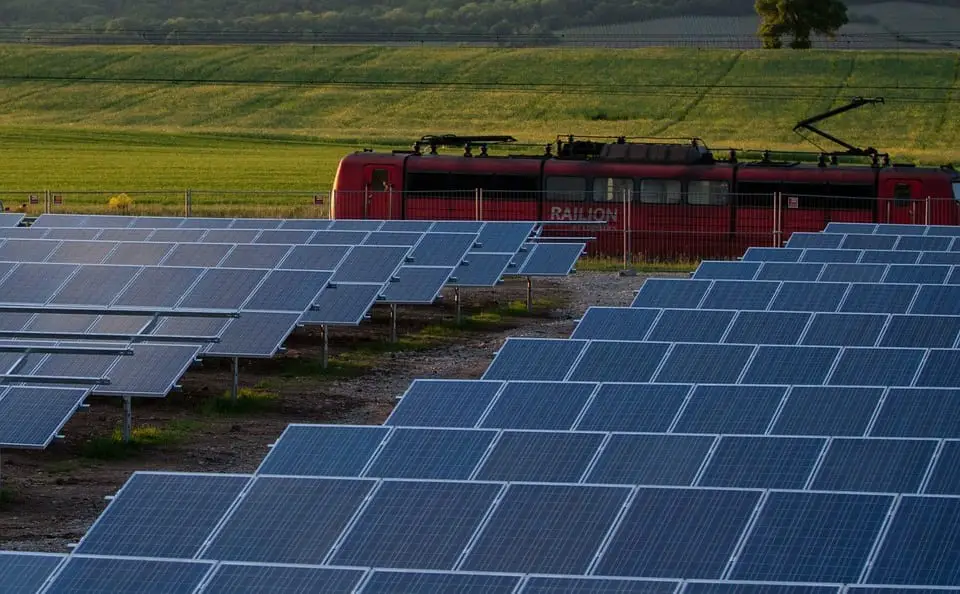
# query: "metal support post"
456,299
529,294
393,322
188,203
324,329
127,419
235,392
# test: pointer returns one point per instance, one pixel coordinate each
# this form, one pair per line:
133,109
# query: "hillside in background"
376,94
161,21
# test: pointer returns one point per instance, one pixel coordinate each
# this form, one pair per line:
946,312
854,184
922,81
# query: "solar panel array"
66,280
662,448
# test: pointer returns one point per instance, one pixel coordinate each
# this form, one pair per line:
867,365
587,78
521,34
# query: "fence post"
188,202
390,202
926,212
777,234
46,201
627,256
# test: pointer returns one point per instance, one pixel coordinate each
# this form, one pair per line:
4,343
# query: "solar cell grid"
538,456
767,327
536,359
874,465
288,290
852,241
940,243
945,477
323,450
315,257
899,229
634,407
121,234
739,295
551,259
762,462
199,255
691,325
139,254
89,575
815,240
31,417
662,292
792,271
920,546
370,264
481,270
718,269
617,361
830,255
343,304
284,236
223,288
95,285
828,329
442,249
852,273
595,585
634,459
26,572
255,256
422,582
813,297
538,405
160,287
417,284
730,409
835,411
431,453
255,223
876,366
891,257
615,323
919,412
937,300
330,237
767,254
150,373
916,274
703,363
254,334
921,331
81,252
27,250
444,403
940,369
879,298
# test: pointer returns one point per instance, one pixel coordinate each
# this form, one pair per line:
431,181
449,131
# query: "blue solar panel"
534,359
753,588
339,237
546,529
30,417
812,537
874,465
730,409
691,325
704,363
844,329
277,520
27,250
323,450
315,224
790,365
739,295
370,264
919,412
481,270
900,229
936,299
651,459
889,257
688,533
417,284
442,249
416,524
762,462
230,236
444,403
608,361
767,327
34,283
946,258
550,457
504,237
203,255
663,292
178,235
827,411
830,255
815,240
255,256
921,331
595,585
939,243
945,478
552,259
431,453
862,228
343,304
768,254
406,238
615,323
95,285
222,288
285,236
422,582
869,242
162,515
792,271
876,367
205,223
255,223
158,287
288,290
139,254
879,298
238,578
26,572
921,544
838,272
941,369
634,407
315,257
94,575
799,296
715,269
82,252
916,274
538,405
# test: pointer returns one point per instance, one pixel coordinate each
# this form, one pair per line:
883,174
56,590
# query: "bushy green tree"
798,19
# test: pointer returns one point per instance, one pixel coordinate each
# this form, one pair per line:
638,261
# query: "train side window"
379,180
566,188
661,191
612,189
902,195
703,192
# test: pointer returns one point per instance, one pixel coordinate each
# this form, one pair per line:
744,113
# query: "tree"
798,19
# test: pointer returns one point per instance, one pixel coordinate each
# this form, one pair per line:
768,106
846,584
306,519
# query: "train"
654,198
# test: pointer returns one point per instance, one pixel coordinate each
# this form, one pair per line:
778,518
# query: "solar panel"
114,324
223,288
87,575
95,285
442,249
688,533
355,224
30,417
878,298
739,295
254,334
876,366
27,250
668,292
158,287
610,361
340,237
920,545
809,296
538,405
651,459
634,407
121,234
704,363
868,242
315,257
422,582
184,326
205,223
370,264
255,223
874,465
323,450
830,255
444,403
178,235
68,233
862,228
313,224
24,232
157,222
900,229
596,585
826,410
552,259
691,325
288,290
938,243
343,304
916,274
937,300
946,258
889,257
838,272
406,225
844,329
151,372
284,236
768,254
790,365
405,238
503,237
945,479
546,528
754,588
8,219
615,323
417,284
162,514
81,252
718,269
34,283
139,254
790,271
815,240
730,409
533,359
767,327
203,255
940,369
919,412
276,521
921,331
431,453
59,322
540,456
812,537
951,230
762,462
26,572
481,270
255,256
59,220
439,517
229,236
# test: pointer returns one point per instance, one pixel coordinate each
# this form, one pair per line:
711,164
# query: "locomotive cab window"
566,188
661,191
612,189
379,180
902,195
702,192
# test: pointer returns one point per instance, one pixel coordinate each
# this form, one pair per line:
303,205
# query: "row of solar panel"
916,274
523,527
918,413
799,296
820,256
768,327
9,219
892,229
26,573
154,222
738,461
663,362
855,241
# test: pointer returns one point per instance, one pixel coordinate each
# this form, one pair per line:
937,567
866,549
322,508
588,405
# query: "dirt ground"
51,497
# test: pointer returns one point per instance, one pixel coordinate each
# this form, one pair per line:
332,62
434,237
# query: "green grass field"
279,118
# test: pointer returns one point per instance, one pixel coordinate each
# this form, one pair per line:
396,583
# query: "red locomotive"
675,199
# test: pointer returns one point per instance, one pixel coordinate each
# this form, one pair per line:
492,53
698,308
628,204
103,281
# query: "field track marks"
684,112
